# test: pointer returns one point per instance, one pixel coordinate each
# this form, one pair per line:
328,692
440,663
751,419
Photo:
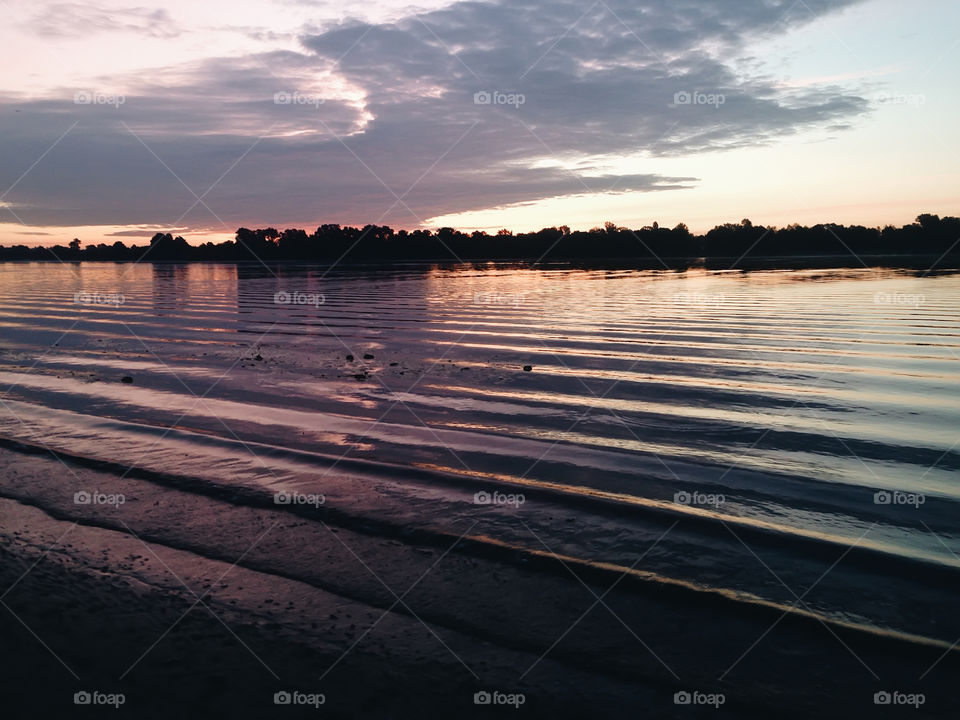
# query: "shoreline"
315,608
535,560
666,263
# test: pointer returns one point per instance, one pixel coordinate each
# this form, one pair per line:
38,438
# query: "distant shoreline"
927,262
730,245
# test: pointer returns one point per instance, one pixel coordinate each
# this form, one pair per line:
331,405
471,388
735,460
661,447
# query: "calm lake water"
784,434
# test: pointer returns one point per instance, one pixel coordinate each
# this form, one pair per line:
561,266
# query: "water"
777,434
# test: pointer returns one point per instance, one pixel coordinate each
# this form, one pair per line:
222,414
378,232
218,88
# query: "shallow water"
778,434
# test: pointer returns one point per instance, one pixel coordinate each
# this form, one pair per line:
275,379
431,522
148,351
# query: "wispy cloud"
83,20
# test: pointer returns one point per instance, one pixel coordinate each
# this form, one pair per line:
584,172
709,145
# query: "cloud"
458,109
83,20
132,233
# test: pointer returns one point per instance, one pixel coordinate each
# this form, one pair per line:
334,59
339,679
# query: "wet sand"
262,600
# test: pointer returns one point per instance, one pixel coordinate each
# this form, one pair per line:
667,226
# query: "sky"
119,119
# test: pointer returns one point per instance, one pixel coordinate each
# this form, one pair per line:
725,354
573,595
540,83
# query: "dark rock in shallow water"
349,358
367,356
360,376
527,368
126,379
394,364
259,357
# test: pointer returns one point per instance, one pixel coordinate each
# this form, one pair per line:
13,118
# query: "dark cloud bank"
413,139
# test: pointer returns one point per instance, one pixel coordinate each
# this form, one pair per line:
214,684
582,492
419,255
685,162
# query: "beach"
478,490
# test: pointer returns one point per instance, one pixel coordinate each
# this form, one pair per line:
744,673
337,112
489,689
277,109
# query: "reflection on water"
815,409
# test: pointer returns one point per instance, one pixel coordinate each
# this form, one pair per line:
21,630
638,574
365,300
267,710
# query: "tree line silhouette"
930,235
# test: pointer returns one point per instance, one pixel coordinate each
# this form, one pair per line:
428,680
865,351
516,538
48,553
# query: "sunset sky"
119,119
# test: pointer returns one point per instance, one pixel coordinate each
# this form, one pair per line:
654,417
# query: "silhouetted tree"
930,236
